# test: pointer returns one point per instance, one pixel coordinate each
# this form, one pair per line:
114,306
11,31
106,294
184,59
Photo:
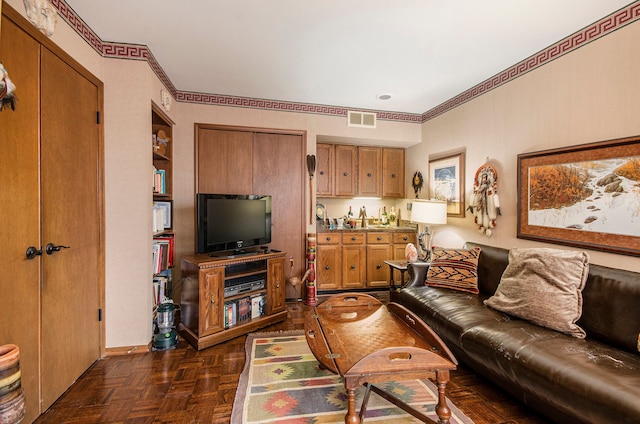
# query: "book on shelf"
257,306
244,308
230,313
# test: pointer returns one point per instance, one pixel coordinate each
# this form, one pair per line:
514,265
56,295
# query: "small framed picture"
446,181
163,212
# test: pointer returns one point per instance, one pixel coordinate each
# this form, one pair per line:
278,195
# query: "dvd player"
244,288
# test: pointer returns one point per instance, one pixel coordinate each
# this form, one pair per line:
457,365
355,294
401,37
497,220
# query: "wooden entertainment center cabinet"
254,298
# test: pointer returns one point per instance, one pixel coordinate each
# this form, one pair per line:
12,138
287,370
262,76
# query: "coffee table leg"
351,417
442,409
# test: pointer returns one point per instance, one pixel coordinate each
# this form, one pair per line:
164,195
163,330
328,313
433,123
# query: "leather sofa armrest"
417,273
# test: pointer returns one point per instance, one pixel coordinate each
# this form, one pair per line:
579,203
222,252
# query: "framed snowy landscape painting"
586,196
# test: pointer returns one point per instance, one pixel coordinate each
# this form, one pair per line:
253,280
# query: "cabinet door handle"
327,267
346,174
353,238
378,266
328,238
369,174
50,248
393,175
32,252
405,238
321,172
213,301
353,267
379,238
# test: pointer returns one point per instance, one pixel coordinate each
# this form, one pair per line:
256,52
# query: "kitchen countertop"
371,228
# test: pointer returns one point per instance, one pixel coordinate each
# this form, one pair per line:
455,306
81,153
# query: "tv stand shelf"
204,317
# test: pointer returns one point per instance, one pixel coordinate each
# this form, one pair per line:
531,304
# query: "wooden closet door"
71,216
279,170
20,212
223,161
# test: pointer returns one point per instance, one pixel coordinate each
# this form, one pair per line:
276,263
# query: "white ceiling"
339,52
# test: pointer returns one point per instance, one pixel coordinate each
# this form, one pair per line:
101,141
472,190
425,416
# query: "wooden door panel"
71,216
346,166
224,161
279,170
354,266
20,213
325,169
211,301
276,289
369,171
329,267
393,172
377,270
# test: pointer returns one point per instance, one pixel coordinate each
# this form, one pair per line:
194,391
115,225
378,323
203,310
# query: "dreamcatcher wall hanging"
484,204
7,90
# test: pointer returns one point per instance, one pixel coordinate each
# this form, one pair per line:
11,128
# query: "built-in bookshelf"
163,245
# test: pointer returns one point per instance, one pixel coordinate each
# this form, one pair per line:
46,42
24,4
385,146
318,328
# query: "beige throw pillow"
544,286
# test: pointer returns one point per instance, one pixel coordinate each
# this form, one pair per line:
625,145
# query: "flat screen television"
231,223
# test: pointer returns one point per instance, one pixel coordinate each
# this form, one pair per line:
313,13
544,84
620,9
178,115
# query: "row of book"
163,248
162,288
159,181
243,309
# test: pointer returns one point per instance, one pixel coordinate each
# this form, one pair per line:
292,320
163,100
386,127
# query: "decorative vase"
12,404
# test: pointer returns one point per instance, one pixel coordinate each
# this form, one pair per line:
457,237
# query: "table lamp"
427,212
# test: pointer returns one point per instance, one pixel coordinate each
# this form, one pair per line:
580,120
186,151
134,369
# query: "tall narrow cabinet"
51,168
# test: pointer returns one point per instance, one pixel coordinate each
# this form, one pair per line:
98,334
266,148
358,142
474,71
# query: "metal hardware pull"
51,248
32,252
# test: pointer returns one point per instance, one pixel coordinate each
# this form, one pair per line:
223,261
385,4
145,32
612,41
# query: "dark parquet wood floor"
187,386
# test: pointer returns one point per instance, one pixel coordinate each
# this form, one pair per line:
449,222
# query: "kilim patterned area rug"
283,383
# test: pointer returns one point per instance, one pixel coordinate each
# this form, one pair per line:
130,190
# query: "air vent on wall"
361,119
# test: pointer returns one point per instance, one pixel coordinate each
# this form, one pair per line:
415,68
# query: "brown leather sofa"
569,380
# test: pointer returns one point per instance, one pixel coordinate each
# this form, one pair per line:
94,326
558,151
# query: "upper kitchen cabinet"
325,169
349,171
369,171
345,172
393,163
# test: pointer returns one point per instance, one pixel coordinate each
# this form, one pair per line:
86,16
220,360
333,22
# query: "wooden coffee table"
366,342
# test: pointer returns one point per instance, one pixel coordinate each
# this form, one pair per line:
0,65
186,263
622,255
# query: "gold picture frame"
446,181
585,196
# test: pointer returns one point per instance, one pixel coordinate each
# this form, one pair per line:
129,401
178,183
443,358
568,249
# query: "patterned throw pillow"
455,269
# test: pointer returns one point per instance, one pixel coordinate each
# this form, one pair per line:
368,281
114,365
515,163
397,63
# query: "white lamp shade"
429,212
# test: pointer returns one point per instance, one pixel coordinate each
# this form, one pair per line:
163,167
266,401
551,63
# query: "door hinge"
100,315
98,117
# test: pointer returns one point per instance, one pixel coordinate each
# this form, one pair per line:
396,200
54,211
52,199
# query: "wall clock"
320,212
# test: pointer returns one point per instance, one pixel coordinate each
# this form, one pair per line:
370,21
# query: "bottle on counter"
392,216
385,217
350,219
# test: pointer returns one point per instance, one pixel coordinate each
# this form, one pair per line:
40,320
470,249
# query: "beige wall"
586,96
